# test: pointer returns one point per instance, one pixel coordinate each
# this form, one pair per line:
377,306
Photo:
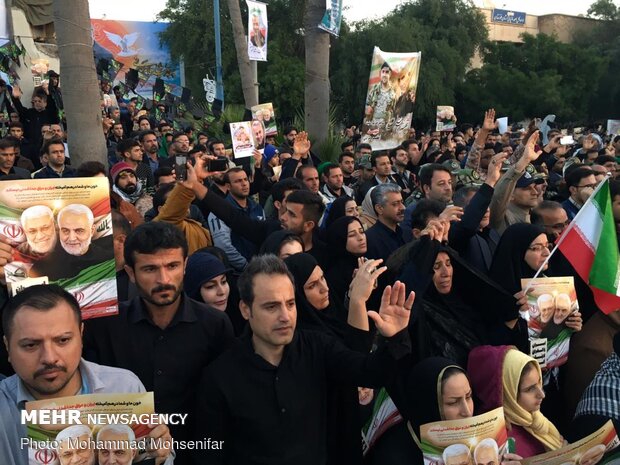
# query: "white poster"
257,30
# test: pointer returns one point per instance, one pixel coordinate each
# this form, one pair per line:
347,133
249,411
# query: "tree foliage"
447,32
537,77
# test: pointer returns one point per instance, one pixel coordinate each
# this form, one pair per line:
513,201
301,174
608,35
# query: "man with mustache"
162,335
126,184
43,337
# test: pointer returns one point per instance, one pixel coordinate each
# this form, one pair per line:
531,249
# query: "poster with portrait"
479,439
242,139
102,419
591,450
391,96
550,302
264,112
258,134
613,127
446,119
257,30
61,229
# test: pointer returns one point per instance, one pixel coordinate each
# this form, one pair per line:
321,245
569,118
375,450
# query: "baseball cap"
363,162
528,179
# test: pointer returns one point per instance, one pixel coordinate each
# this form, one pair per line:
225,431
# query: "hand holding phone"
218,164
180,168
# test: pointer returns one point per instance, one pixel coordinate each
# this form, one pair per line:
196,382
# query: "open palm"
394,313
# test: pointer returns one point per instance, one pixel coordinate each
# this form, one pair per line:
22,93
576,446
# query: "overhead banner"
391,95
257,30
332,17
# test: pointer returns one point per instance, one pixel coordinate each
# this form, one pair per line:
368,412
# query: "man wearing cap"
366,173
126,184
516,193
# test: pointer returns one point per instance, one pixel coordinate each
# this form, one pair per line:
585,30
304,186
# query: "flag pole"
567,230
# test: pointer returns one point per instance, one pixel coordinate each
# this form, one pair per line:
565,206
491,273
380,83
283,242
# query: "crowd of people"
277,301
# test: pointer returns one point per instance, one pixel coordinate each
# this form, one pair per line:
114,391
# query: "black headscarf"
273,242
340,273
337,210
301,266
509,266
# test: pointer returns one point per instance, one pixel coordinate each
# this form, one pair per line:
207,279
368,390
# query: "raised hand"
394,312
451,213
16,92
489,123
302,145
530,153
434,230
365,279
494,171
574,321
588,142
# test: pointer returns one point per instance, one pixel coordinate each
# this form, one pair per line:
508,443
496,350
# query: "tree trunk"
241,46
316,95
80,88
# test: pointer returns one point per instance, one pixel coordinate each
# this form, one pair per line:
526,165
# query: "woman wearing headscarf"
342,206
368,215
457,307
436,389
346,242
316,311
282,244
503,376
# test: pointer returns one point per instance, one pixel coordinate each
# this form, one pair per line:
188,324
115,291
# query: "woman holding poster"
503,376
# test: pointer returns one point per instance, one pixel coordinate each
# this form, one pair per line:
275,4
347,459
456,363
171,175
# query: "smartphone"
219,164
567,140
180,168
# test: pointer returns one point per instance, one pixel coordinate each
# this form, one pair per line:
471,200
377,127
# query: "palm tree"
245,67
316,95
80,88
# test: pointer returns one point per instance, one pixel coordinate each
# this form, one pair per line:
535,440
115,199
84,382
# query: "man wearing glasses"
580,184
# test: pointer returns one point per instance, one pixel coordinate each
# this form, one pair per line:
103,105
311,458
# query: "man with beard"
76,251
163,336
258,129
258,33
150,146
125,184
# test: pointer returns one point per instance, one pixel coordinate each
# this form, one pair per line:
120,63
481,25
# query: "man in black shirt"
266,397
163,336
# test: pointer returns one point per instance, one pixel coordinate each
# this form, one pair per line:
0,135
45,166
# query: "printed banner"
264,112
62,229
613,127
588,451
446,119
479,439
257,30
242,139
391,95
332,17
550,302
84,422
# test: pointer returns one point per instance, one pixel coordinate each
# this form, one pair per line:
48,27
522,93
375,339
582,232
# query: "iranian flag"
591,246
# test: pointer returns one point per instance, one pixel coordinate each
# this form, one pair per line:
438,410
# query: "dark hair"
16,124
313,206
162,171
461,195
345,154
41,297
161,194
217,253
427,172
602,159
48,143
144,117
151,237
288,129
300,171
575,177
177,134
375,155
88,169
346,143
405,145
143,134
9,141
535,216
120,224
328,167
614,188
260,264
213,142
449,373
236,169
197,149
360,147
424,211
126,145
288,184
162,124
